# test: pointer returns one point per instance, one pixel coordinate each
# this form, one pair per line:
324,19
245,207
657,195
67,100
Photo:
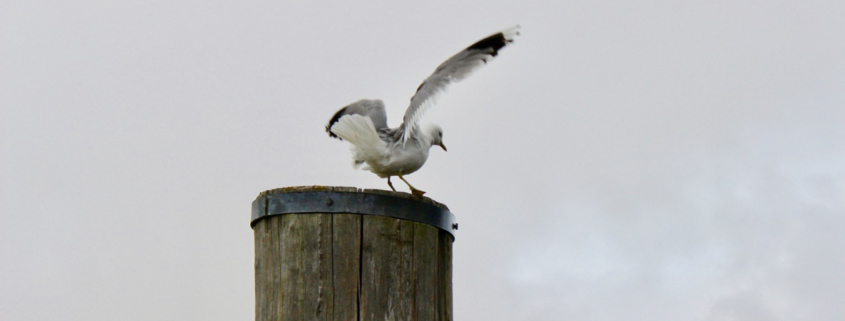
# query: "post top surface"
349,189
351,200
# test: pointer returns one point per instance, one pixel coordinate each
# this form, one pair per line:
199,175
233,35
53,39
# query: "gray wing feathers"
372,108
452,70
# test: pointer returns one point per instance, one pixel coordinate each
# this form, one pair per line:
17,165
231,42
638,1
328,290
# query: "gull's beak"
443,146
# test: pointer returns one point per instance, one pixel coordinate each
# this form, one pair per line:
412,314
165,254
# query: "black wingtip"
335,118
494,42
329,130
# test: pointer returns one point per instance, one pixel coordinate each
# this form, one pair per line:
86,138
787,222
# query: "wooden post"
341,254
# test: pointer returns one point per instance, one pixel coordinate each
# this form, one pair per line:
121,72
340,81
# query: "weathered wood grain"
306,268
291,285
267,269
386,256
345,267
346,262
444,272
317,269
425,272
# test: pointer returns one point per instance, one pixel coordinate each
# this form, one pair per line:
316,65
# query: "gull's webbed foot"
417,192
413,190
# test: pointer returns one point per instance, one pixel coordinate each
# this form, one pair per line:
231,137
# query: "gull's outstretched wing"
453,69
372,108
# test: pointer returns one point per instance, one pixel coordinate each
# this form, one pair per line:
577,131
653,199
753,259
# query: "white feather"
359,131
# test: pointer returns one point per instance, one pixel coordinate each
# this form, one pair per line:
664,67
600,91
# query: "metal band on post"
364,202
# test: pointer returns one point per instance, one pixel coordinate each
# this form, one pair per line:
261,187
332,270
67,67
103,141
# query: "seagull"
400,151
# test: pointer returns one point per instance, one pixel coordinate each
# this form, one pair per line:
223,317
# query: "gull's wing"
372,108
453,69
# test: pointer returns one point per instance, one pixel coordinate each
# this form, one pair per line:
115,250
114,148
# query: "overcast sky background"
623,160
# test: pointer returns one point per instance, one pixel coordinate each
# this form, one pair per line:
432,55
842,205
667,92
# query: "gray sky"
622,160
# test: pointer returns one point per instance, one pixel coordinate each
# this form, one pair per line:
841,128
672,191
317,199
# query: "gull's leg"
413,190
390,184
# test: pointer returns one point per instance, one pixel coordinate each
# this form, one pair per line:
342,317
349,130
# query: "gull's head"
435,134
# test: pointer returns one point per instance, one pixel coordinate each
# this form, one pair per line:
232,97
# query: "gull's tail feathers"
359,131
